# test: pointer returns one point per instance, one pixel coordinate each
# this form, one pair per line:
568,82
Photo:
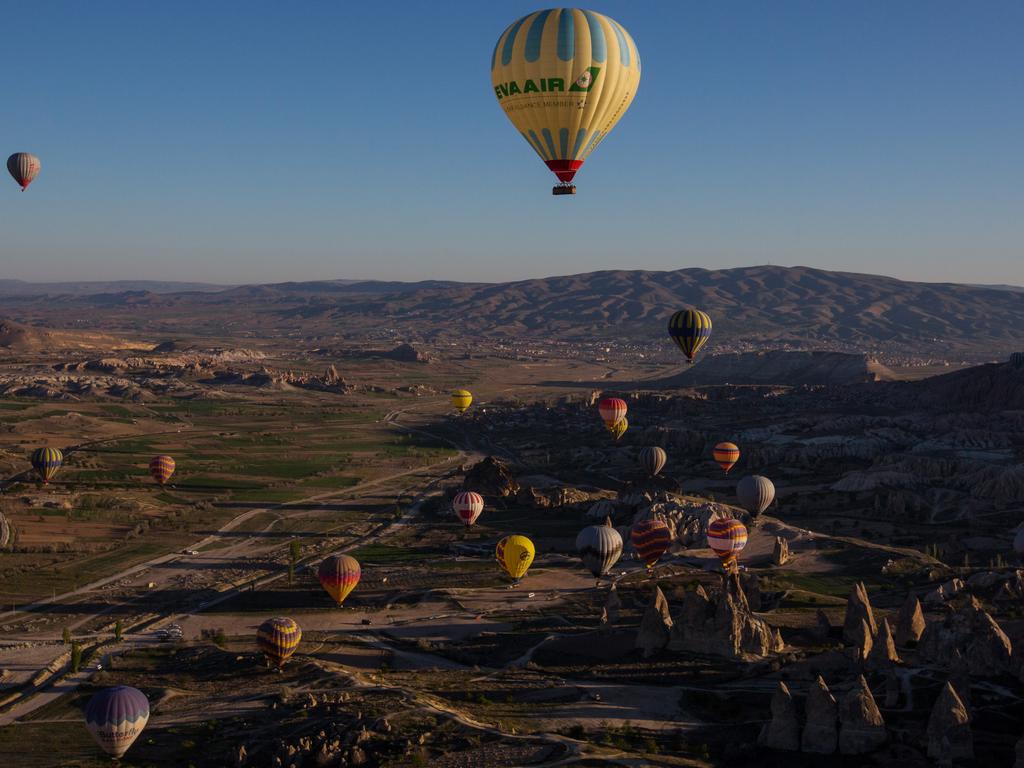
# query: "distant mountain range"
752,307
23,288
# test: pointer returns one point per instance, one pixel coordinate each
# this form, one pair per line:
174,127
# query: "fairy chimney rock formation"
783,730
858,609
862,642
655,625
909,622
780,552
973,634
949,728
821,731
861,727
883,649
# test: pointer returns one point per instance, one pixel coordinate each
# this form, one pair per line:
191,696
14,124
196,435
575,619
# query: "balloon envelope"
468,505
600,547
278,638
726,454
727,537
46,462
461,399
652,459
690,329
618,429
338,575
756,493
115,717
161,468
565,77
23,167
651,539
515,555
612,410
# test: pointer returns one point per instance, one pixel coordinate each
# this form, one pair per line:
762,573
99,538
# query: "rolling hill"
752,307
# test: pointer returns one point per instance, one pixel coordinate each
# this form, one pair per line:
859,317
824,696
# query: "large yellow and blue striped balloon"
690,329
565,77
46,462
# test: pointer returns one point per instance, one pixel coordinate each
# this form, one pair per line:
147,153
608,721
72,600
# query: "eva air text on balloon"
582,84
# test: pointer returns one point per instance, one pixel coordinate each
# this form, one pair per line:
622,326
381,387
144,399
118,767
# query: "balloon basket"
563,189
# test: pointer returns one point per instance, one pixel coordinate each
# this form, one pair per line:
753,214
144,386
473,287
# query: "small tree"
66,636
118,628
76,656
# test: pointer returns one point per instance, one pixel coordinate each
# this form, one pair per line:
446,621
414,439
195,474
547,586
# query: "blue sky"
263,141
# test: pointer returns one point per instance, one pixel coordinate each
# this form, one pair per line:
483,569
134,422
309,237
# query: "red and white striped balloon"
24,168
612,410
468,505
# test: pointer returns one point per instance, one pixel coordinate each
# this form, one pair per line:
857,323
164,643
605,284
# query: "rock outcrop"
910,622
783,730
973,634
492,477
858,609
949,728
861,727
862,641
780,552
655,625
883,649
726,627
820,734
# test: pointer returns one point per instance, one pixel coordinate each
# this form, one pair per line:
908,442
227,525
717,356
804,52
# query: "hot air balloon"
115,717
24,168
161,468
278,638
468,505
564,78
600,547
515,554
46,462
651,539
618,429
690,329
612,410
338,575
461,399
755,493
726,454
653,458
727,537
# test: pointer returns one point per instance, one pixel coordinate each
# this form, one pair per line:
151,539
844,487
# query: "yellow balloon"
514,555
618,429
565,77
461,399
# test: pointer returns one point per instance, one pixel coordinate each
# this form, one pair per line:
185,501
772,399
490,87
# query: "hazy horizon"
233,146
